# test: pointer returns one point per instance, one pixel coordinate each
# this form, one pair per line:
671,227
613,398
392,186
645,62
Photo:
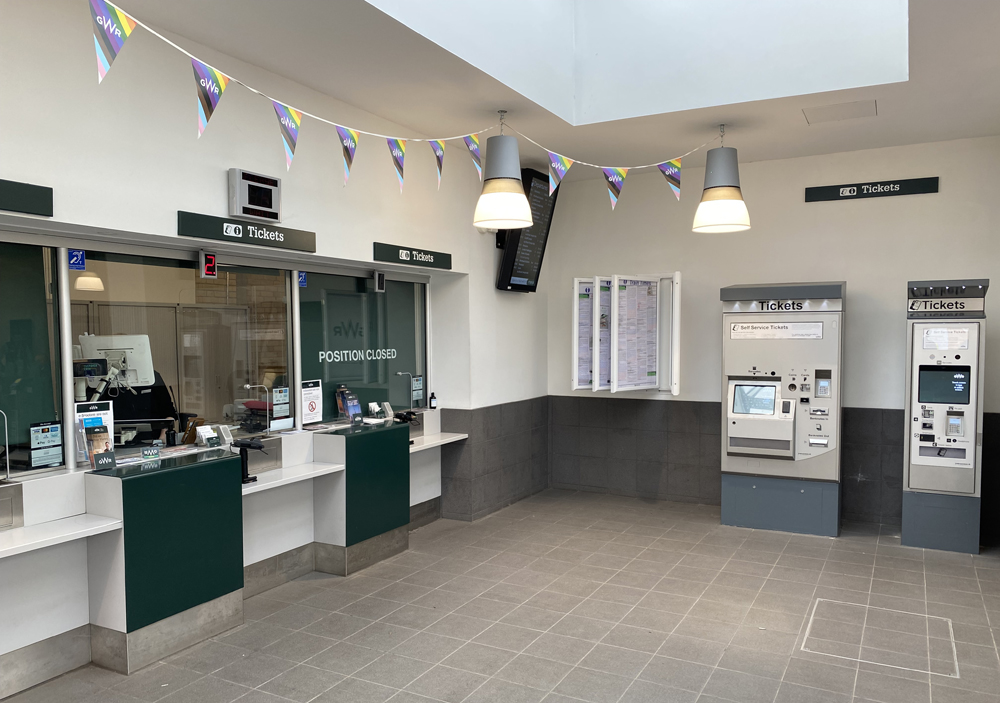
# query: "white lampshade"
721,208
502,204
90,281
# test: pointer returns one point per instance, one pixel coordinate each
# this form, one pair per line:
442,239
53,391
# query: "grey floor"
570,597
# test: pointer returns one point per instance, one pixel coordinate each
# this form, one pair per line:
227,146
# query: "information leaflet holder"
645,322
782,351
942,450
583,333
601,326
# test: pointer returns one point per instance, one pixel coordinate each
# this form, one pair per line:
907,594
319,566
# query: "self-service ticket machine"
942,455
781,379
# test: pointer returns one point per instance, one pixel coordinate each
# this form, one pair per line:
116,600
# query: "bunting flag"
616,181
349,140
558,166
397,147
290,120
472,141
111,28
671,170
211,85
437,146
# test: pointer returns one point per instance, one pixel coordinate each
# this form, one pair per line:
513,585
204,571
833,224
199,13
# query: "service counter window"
371,344
29,358
172,350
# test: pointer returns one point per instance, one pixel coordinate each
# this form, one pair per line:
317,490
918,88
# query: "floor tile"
479,659
446,684
616,660
737,686
254,669
567,650
356,691
392,670
535,672
344,658
506,636
675,673
498,691
206,657
303,683
298,646
428,647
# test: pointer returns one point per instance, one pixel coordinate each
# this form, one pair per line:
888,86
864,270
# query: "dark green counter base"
127,653
342,561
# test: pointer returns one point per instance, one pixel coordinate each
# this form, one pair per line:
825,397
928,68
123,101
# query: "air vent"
840,111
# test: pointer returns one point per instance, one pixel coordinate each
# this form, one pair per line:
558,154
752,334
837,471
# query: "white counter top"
291,474
435,440
47,534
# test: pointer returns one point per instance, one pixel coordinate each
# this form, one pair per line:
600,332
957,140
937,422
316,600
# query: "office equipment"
942,447
254,196
782,349
524,249
128,355
245,445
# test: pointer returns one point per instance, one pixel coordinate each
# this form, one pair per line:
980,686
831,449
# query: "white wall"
125,155
876,245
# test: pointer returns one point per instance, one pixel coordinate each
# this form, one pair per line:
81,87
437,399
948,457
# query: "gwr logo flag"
472,141
671,170
397,147
616,181
558,166
111,28
437,146
349,140
211,85
290,121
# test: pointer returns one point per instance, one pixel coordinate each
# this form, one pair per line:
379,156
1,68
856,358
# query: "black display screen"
522,258
258,196
944,384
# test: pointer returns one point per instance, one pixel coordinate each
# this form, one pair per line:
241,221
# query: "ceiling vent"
840,111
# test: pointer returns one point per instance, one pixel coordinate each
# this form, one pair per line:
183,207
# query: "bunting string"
112,26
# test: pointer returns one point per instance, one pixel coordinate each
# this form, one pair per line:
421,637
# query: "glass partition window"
191,345
29,358
360,339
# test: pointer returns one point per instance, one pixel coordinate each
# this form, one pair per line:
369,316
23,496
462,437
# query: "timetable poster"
584,334
602,322
636,334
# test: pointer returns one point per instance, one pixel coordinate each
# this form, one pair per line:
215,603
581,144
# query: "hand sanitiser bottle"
433,402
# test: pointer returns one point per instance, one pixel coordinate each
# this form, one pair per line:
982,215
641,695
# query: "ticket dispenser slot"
942,450
761,422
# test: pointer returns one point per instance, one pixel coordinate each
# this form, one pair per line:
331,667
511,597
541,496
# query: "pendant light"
721,208
502,204
89,281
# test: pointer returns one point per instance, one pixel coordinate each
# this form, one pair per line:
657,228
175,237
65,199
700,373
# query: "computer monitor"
129,352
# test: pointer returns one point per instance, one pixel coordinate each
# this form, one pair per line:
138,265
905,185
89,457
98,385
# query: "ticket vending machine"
942,451
781,388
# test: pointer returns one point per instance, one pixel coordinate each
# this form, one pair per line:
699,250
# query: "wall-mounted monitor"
523,250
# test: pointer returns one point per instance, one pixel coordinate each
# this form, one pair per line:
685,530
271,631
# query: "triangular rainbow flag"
290,120
671,170
558,166
616,181
111,28
437,146
397,147
211,85
349,141
472,141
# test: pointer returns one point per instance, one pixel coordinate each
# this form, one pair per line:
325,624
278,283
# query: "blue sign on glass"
77,260
302,279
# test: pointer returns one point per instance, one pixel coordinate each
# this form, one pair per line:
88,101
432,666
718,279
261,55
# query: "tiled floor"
570,597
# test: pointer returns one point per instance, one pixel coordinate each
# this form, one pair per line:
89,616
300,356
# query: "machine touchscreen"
944,384
753,400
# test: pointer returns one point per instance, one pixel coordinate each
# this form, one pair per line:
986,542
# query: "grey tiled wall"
647,448
505,459
871,465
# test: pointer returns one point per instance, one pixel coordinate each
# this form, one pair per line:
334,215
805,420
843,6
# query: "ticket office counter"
126,566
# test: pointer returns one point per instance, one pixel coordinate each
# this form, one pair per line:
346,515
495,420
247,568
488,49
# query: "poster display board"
602,330
634,333
583,333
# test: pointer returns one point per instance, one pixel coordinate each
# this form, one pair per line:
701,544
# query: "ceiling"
351,51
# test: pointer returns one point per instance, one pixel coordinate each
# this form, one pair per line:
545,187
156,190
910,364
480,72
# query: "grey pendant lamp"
721,208
502,204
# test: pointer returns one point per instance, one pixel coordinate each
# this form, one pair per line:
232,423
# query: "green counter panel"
378,481
183,537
